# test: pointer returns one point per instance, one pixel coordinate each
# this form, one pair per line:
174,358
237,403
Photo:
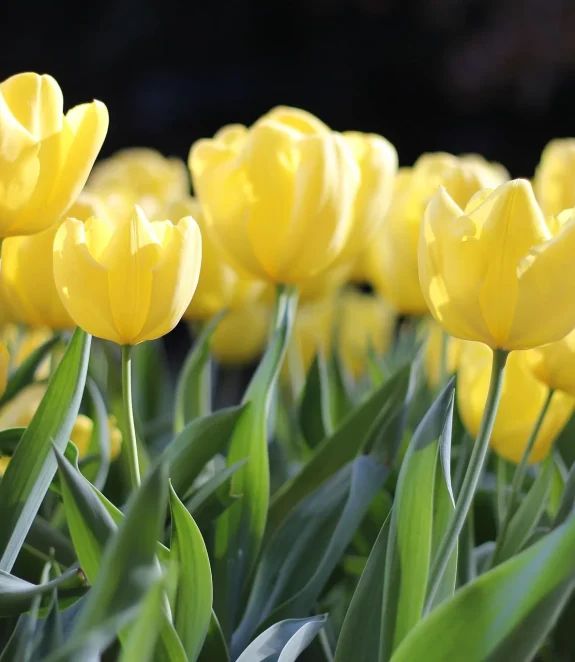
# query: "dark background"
489,76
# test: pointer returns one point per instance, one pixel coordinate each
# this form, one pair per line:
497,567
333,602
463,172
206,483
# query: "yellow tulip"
45,156
554,182
128,281
219,286
140,176
363,320
554,364
242,334
433,353
377,161
495,272
391,259
27,274
522,399
278,197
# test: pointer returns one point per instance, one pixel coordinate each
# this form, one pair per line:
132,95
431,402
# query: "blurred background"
489,76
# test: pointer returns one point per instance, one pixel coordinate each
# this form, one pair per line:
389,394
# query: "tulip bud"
278,197
391,258
127,281
140,176
45,156
554,182
494,272
521,402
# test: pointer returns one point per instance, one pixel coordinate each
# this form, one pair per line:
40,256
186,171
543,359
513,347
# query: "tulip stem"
471,479
518,476
132,441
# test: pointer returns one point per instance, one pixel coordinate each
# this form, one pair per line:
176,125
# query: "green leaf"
567,499
557,485
411,539
51,632
300,542
215,648
340,401
360,633
314,413
24,373
283,642
240,530
527,516
478,619
342,447
17,594
193,391
32,466
198,443
194,596
214,496
128,568
97,473
152,385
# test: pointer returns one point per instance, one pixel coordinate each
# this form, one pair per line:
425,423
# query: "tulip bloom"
496,272
391,259
45,156
140,176
219,286
127,281
554,364
278,197
554,182
522,400
241,336
27,274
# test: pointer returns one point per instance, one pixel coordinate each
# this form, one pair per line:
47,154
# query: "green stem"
132,441
519,475
471,479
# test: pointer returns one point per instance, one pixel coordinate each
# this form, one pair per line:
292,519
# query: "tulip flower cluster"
348,292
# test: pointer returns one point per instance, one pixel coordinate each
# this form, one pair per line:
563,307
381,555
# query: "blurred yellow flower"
219,285
494,272
521,402
27,274
391,258
4,367
140,176
278,197
45,156
363,320
242,334
554,364
434,350
554,182
128,281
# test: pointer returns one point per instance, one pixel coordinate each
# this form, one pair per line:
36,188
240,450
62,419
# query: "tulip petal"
545,310
82,282
174,279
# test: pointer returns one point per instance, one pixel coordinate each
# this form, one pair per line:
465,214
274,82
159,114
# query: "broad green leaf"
314,412
214,496
567,499
194,594
143,635
240,530
367,478
283,642
478,618
32,467
215,648
24,373
128,567
193,391
51,632
411,542
360,633
300,541
17,594
197,444
527,516
557,485
97,473
340,402
334,452
93,522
